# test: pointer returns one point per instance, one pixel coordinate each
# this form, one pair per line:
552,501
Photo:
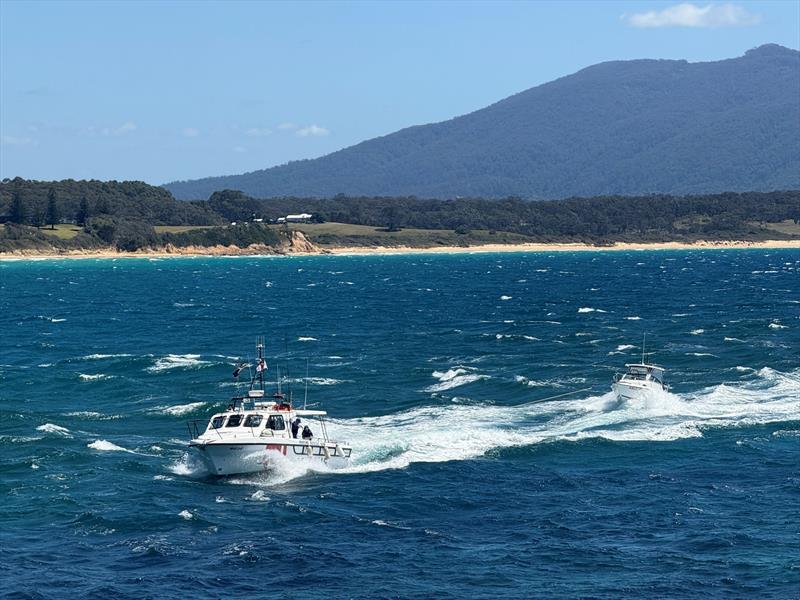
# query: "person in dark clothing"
295,427
307,435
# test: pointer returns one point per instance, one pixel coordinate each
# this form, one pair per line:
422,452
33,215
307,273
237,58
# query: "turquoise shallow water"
463,483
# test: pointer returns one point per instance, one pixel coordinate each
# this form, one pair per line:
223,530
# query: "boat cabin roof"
647,368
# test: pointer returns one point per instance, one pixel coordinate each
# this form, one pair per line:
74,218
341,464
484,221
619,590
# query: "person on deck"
295,427
307,435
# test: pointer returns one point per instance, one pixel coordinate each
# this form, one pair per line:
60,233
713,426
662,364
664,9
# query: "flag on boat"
238,369
262,366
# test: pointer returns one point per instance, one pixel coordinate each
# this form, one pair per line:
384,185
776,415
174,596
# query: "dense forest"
616,128
613,218
125,215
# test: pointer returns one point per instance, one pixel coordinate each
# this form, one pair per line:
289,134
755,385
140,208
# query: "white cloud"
258,132
287,126
126,127
691,15
190,132
239,149
10,140
312,130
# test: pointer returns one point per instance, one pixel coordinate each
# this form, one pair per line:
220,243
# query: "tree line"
123,214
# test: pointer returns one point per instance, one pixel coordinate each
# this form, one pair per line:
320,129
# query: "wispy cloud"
287,126
312,130
258,132
10,140
692,15
190,132
125,128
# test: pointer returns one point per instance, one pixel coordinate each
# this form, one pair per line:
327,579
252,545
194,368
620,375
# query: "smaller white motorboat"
257,431
639,382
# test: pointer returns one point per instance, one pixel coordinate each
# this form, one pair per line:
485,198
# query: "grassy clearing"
788,227
63,231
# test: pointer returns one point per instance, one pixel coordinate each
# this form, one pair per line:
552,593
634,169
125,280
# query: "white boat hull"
224,458
636,391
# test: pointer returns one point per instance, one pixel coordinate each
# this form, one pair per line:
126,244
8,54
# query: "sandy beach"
365,250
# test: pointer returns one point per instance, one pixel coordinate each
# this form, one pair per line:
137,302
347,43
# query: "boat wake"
467,431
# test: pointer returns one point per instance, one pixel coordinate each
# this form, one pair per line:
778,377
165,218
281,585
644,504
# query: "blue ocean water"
464,482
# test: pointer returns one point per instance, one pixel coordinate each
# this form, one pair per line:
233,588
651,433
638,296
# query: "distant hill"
623,127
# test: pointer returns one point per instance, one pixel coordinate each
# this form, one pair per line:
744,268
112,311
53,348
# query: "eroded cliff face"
298,243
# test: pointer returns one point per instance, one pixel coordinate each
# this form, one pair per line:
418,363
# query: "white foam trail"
506,297
307,339
178,409
102,356
777,326
464,431
633,318
697,331
588,309
177,361
186,515
56,429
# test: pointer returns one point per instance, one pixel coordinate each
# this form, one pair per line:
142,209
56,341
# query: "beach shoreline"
229,251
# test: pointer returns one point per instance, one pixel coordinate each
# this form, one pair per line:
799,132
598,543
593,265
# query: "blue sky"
159,91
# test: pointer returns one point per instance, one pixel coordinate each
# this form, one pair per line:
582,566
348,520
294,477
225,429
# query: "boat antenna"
288,379
261,363
644,339
305,396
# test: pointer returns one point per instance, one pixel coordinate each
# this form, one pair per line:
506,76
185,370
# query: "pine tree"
52,209
83,212
17,209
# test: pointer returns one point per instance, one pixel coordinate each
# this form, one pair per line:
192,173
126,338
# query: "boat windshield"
217,422
639,373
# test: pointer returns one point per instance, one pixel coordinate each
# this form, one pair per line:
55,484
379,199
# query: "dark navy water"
464,483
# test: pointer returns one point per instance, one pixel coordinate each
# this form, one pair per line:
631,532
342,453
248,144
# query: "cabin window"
276,423
252,421
234,421
216,422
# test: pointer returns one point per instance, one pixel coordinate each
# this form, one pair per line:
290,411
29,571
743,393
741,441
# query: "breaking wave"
106,446
454,378
178,409
55,429
177,361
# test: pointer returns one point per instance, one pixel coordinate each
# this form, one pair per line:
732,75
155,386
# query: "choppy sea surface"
466,482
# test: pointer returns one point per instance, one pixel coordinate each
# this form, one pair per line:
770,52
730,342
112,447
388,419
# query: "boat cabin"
643,372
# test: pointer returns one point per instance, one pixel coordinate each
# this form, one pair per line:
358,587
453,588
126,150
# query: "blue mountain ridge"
622,127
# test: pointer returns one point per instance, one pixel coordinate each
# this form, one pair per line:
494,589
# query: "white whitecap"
106,446
178,409
177,361
94,376
55,429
